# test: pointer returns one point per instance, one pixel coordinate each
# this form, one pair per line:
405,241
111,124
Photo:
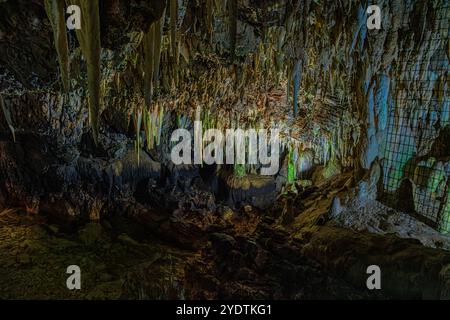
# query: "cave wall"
408,113
394,81
357,88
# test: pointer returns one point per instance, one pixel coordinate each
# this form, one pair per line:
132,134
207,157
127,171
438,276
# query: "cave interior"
361,117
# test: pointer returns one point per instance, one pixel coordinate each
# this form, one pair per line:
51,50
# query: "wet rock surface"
117,258
104,209
263,265
213,252
142,228
107,212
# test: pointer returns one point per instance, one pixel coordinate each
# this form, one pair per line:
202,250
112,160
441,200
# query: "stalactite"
279,57
55,11
148,128
289,75
297,79
159,25
220,6
173,28
153,121
149,62
160,124
89,39
7,116
152,44
209,18
138,126
233,28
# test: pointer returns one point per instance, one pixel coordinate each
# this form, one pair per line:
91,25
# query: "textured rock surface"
118,261
258,246
26,35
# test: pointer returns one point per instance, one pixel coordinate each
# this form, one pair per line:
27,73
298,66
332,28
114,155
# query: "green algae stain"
292,174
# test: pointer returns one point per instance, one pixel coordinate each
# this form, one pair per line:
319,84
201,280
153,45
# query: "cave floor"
122,263
240,255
